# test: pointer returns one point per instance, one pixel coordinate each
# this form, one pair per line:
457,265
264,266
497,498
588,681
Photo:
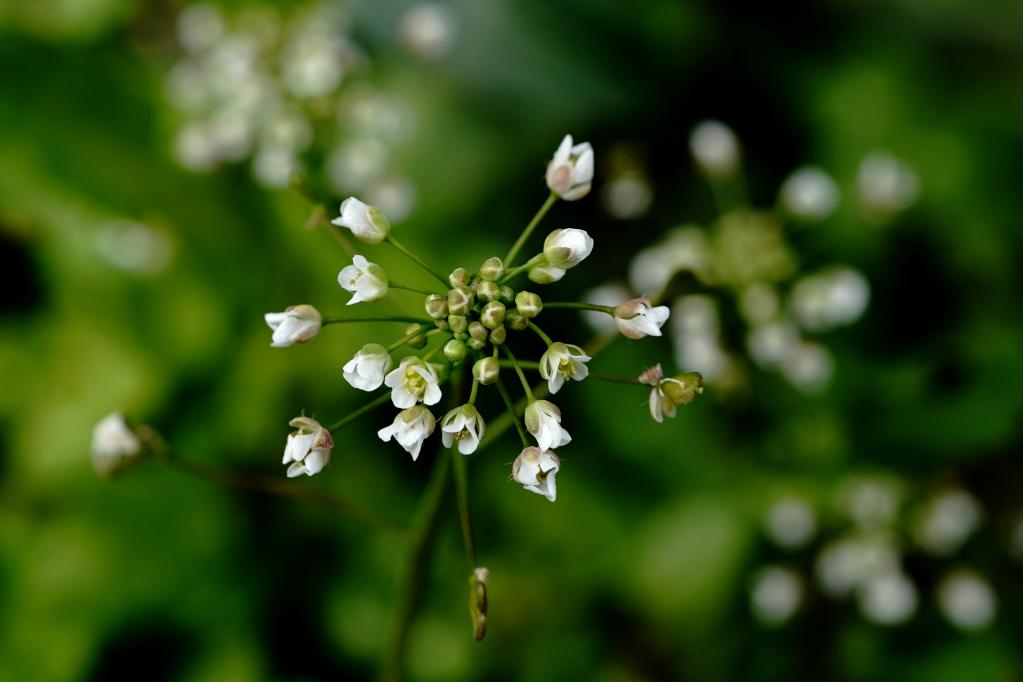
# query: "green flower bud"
458,323
459,277
442,325
507,294
514,319
476,344
492,315
545,273
486,370
460,300
477,330
492,269
683,388
455,350
488,291
498,335
416,341
528,303
436,306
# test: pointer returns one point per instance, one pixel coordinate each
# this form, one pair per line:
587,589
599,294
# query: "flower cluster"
471,317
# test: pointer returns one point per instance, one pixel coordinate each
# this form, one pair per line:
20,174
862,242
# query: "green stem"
506,397
514,272
408,337
416,259
609,309
615,378
472,393
395,285
391,318
518,370
376,402
510,258
546,339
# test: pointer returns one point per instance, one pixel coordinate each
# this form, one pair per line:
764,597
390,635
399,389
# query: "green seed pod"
514,319
488,291
458,323
455,350
498,335
460,300
528,303
492,315
682,389
477,330
486,370
492,269
459,277
436,306
416,341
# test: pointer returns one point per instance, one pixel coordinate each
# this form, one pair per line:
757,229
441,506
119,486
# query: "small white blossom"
429,29
535,470
606,294
464,424
810,194
567,248
114,445
413,381
847,563
967,600
637,318
308,448
776,594
946,522
410,428
885,184
563,361
790,522
367,369
715,148
888,598
297,324
366,222
830,298
570,172
367,281
543,421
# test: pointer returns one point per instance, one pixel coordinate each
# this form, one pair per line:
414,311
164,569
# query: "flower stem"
368,407
599,376
462,497
472,393
512,412
416,259
391,318
395,285
546,339
510,258
609,309
408,337
518,370
509,275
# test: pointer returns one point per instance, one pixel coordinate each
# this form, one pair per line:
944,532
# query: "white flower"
366,370
308,448
563,361
367,223
715,148
967,600
570,172
810,194
946,522
668,393
114,445
888,598
606,294
660,404
367,281
297,324
636,318
543,421
464,424
885,184
830,298
535,469
413,381
410,428
776,594
790,522
567,248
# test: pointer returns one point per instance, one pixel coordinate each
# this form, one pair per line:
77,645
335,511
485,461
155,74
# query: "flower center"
415,383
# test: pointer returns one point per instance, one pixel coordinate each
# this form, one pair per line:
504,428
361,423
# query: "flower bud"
535,470
458,323
115,446
488,291
492,315
544,273
459,277
443,325
416,341
308,448
514,319
455,350
436,306
498,335
637,318
476,344
367,223
570,172
297,324
567,248
492,269
507,294
683,388
528,304
478,601
477,330
460,300
366,281
486,370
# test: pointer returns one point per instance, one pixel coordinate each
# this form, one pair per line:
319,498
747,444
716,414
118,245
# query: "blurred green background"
132,283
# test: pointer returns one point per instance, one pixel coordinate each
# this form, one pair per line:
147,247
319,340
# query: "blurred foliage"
641,568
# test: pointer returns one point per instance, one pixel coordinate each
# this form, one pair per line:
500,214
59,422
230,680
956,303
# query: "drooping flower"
297,324
464,424
637,318
367,223
668,394
563,361
535,470
570,172
114,445
566,248
413,381
543,421
410,428
367,369
308,448
367,281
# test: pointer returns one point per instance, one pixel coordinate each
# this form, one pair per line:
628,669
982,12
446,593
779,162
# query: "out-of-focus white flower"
394,196
429,29
367,369
810,194
637,318
845,564
308,448
715,148
535,470
410,428
367,281
947,521
831,298
870,501
776,594
114,445
567,248
200,25
570,172
627,197
543,421
355,162
790,522
194,148
772,343
885,184
274,165
967,600
696,337
413,381
808,367
287,129
464,424
759,303
606,294
685,249
888,598
312,64
135,247
297,324
563,361
367,223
